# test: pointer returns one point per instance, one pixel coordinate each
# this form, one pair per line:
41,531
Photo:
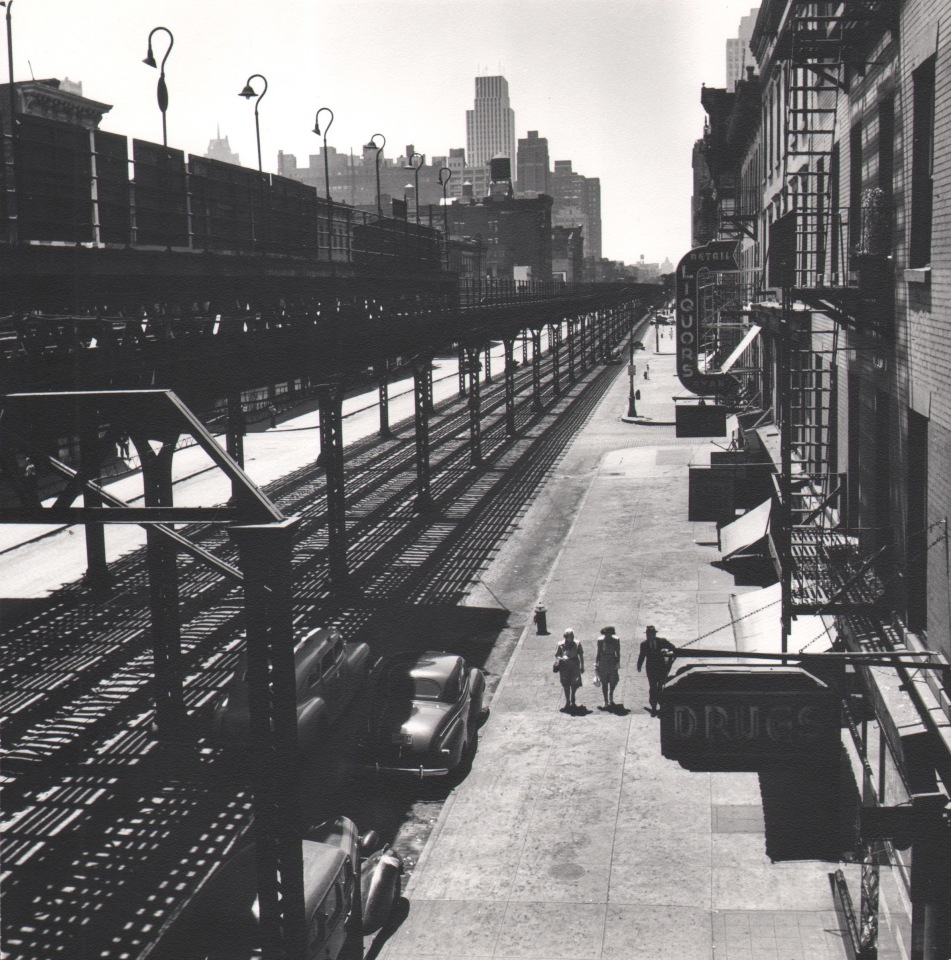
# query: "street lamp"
445,206
248,93
415,169
162,90
330,205
379,150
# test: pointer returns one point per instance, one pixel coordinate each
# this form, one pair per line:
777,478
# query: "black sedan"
424,713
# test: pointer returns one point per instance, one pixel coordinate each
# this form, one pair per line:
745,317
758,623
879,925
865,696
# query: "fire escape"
825,567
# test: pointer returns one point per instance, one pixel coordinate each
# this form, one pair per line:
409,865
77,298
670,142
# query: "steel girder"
536,370
511,365
265,552
475,407
331,457
423,397
571,349
554,336
383,389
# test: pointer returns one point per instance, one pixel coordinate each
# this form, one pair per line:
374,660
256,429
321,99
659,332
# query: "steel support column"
97,577
422,390
462,370
488,362
554,338
383,386
265,556
235,429
510,366
475,410
163,592
331,458
571,350
524,348
536,370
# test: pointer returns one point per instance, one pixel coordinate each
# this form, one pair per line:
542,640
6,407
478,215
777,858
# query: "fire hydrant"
541,620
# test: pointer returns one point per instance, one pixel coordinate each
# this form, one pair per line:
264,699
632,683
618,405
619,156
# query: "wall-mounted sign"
724,716
718,256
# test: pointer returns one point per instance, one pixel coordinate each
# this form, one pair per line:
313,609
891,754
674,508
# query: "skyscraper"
738,53
490,125
533,172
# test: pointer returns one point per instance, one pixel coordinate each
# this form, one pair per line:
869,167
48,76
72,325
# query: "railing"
78,186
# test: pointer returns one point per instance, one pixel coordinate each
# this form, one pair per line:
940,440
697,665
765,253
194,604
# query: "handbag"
556,667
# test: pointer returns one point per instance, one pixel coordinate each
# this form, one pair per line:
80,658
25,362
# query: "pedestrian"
29,478
569,662
656,653
606,664
647,371
123,446
272,411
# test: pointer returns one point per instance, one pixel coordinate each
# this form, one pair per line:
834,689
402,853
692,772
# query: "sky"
614,85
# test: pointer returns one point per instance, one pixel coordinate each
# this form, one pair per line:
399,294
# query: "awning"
744,531
757,624
751,335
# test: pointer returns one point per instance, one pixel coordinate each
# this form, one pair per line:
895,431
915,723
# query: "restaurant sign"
737,717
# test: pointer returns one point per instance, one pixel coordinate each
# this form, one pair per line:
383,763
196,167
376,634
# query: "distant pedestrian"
606,664
647,371
29,478
569,662
272,413
656,653
123,446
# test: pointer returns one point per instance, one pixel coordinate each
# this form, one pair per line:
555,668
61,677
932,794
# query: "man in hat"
606,664
656,653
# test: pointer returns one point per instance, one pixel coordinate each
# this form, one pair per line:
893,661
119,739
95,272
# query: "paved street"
572,837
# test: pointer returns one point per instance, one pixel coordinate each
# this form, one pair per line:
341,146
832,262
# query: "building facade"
830,178
738,53
533,167
514,232
490,124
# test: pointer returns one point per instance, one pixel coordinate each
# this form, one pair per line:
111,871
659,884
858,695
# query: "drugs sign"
716,716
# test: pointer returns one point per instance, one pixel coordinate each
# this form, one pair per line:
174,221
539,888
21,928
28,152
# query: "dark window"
916,565
855,184
922,166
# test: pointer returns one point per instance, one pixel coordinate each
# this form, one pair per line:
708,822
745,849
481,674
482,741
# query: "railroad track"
100,824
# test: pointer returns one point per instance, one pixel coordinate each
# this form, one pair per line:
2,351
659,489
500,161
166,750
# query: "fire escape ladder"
813,80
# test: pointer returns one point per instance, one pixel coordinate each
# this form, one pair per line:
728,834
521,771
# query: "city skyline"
591,86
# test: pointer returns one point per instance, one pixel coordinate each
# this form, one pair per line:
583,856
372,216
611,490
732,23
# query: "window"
922,165
855,184
916,564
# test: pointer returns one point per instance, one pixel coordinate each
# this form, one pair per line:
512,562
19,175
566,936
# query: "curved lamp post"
330,205
445,206
379,150
415,169
162,90
248,93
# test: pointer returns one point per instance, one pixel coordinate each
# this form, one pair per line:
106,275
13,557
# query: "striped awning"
757,624
744,531
740,348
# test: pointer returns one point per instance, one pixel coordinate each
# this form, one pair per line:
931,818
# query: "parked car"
328,671
346,892
424,713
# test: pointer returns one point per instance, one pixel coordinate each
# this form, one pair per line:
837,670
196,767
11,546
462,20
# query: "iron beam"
422,391
265,557
331,457
511,365
475,409
536,370
554,338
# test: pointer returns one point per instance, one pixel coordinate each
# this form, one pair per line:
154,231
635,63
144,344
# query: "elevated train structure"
148,308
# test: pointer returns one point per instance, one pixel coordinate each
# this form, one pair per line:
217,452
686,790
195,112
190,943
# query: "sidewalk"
572,837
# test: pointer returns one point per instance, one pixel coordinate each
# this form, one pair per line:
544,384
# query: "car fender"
311,721
380,887
479,710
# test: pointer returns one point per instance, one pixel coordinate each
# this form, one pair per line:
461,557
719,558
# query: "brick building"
830,178
515,232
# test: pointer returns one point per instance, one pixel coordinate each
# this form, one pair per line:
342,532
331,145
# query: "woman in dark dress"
607,662
570,659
